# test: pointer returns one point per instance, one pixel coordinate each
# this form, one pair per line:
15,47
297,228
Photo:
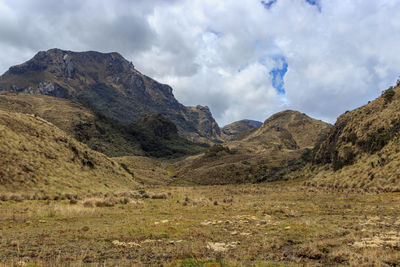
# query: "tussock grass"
362,152
37,157
276,224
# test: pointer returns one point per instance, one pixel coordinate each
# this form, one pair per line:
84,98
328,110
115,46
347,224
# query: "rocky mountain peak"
109,83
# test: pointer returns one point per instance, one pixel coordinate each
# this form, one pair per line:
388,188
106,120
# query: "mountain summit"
109,83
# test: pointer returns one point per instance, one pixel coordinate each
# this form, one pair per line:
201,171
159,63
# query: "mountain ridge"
110,84
267,153
101,133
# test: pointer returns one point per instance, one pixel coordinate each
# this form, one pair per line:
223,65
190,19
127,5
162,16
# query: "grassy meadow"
273,224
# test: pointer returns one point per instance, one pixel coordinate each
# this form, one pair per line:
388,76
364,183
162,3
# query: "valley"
100,165
270,224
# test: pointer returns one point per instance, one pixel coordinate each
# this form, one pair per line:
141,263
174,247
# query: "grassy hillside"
269,153
101,133
289,128
362,150
36,156
147,171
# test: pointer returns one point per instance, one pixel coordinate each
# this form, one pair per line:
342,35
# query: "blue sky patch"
314,3
277,75
268,3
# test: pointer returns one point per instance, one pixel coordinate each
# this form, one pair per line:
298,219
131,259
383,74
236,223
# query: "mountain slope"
110,84
100,133
289,128
266,154
37,156
238,129
362,150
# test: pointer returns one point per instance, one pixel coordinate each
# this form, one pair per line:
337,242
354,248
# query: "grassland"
274,224
99,132
37,157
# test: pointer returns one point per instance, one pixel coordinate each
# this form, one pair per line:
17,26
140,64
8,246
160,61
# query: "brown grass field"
272,224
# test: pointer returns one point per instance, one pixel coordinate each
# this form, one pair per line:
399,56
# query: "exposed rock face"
239,129
110,84
205,124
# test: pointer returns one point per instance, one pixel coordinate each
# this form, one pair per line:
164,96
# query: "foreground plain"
274,224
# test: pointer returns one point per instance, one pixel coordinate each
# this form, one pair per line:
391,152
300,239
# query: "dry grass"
266,154
251,225
372,173
36,156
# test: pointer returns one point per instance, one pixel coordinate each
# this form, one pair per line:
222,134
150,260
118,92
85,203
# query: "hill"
290,129
238,129
36,156
270,152
362,150
101,133
109,84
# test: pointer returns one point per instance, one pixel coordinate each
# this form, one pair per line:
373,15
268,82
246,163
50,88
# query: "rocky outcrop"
110,84
239,129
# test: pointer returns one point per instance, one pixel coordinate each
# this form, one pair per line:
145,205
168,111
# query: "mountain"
36,156
290,129
152,135
279,146
111,85
239,129
362,150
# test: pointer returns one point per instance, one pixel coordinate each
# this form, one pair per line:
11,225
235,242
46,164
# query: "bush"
106,203
216,150
88,204
16,198
388,95
159,196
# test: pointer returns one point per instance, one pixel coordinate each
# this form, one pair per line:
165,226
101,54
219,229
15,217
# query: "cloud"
242,59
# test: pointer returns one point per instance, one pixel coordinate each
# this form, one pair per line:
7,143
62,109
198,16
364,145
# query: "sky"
243,59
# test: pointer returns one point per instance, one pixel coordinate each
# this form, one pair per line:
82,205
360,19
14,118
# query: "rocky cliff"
110,84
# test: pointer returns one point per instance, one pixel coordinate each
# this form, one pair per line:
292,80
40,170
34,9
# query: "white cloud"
219,53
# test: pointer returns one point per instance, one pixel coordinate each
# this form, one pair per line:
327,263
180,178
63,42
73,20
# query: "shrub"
216,150
4,197
352,138
159,196
388,95
88,204
106,202
16,198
